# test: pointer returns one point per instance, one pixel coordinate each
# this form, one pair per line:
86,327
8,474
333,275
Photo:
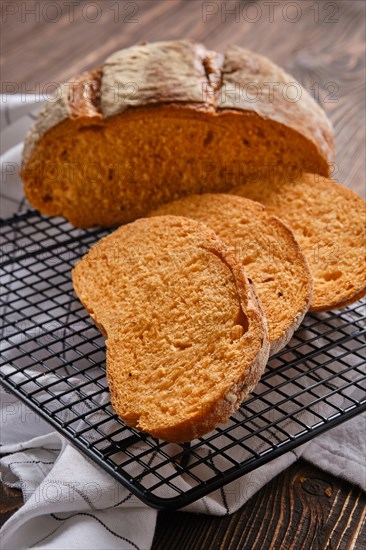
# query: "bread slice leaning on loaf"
186,338
163,120
265,248
328,221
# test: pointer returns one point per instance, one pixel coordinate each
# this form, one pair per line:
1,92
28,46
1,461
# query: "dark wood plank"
10,501
301,508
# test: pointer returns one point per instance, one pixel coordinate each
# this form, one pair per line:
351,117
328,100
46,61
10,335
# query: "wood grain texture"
322,44
10,501
302,508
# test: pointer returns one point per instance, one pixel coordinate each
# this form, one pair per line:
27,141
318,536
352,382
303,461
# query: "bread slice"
328,221
186,338
265,248
163,120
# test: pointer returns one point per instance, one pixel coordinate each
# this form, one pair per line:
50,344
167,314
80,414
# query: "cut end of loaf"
108,173
105,153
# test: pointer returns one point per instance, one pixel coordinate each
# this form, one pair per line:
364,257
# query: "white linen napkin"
69,502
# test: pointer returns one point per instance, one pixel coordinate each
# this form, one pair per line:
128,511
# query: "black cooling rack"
53,359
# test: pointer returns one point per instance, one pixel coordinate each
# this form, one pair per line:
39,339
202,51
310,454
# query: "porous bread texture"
328,221
164,120
265,248
186,338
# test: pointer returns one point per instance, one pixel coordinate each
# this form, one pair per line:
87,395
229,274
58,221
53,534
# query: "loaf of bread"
186,338
163,120
265,248
328,221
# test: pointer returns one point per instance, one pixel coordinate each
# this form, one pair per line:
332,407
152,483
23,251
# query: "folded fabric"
71,503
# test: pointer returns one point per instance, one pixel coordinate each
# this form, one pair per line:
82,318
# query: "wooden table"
322,45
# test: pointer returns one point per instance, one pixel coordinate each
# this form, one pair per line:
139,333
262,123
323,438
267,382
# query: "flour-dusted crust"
77,99
271,93
161,72
50,115
165,120
240,80
186,337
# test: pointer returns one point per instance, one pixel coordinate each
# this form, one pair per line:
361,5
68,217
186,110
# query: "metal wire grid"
53,359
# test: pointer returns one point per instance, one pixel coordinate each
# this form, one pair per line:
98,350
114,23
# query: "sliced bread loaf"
328,221
265,248
186,339
163,120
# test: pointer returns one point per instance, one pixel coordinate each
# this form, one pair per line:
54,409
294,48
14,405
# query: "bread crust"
174,77
237,379
282,341
76,100
244,68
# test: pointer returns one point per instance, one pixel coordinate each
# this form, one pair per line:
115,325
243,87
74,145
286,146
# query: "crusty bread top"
328,221
81,99
186,339
160,72
184,72
270,92
265,248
